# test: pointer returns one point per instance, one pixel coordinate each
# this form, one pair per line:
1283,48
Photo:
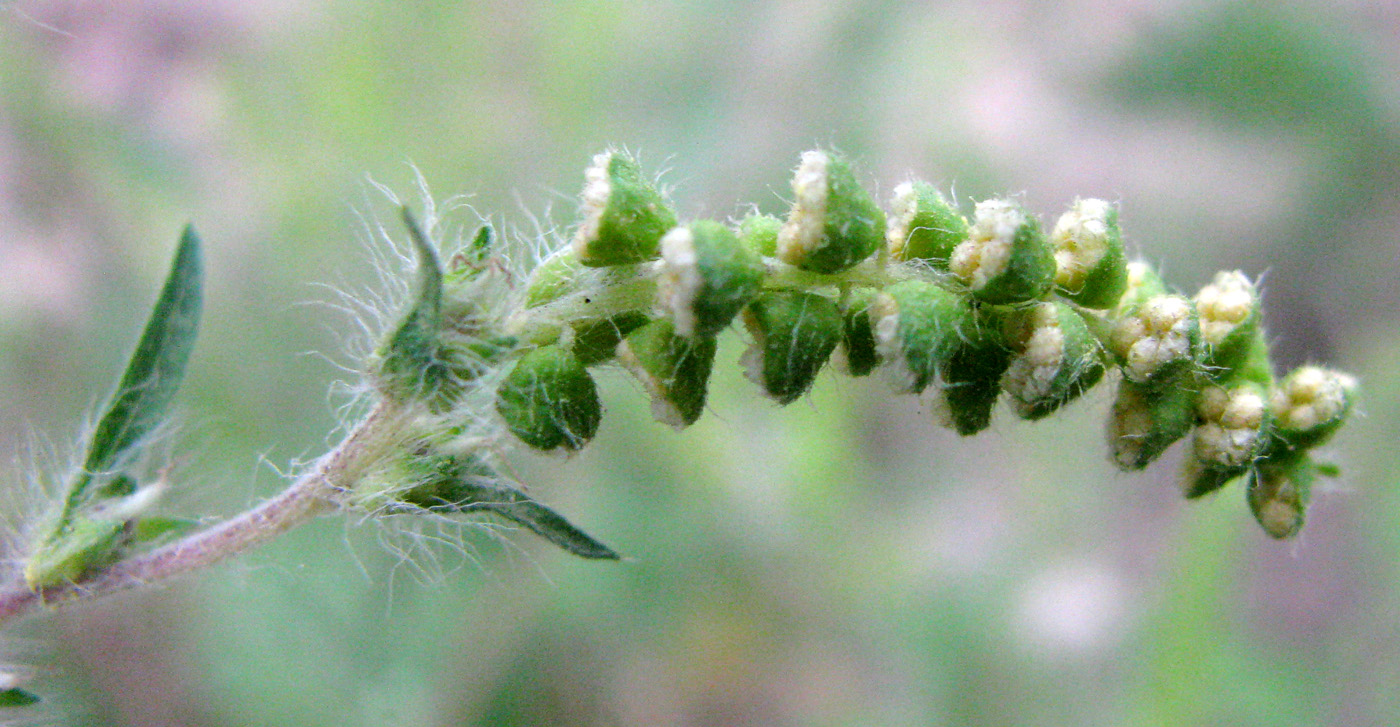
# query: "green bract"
624,215
858,331
1146,419
596,339
973,371
674,369
549,401
707,276
793,335
1090,266
916,330
923,225
834,223
1005,258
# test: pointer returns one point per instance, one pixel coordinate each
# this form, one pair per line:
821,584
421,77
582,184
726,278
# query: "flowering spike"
793,335
624,214
834,223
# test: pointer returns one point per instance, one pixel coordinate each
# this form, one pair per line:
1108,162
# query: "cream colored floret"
1031,373
1080,238
596,190
803,230
1311,396
987,249
1129,426
884,321
1229,432
1157,334
1224,304
903,207
680,279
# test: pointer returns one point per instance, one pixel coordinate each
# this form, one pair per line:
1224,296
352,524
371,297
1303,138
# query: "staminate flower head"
923,225
1005,258
1229,318
549,401
1156,338
1057,359
833,223
1278,493
624,215
1146,420
916,330
707,276
675,370
794,334
1311,403
1090,267
1230,435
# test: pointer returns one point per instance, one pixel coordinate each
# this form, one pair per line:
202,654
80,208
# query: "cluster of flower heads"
959,311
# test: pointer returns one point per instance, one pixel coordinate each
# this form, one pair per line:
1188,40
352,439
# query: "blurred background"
841,561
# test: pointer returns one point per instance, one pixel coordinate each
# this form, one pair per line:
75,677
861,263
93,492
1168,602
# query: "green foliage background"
841,561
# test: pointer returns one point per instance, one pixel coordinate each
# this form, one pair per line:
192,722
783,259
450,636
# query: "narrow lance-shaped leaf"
154,372
410,361
16,697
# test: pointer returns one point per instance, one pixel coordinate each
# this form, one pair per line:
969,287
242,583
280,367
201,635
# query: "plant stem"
308,496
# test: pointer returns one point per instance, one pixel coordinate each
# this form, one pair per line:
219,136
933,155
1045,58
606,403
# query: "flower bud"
624,216
1147,419
1057,359
1005,258
1228,309
1157,338
923,225
675,370
1278,494
834,223
549,401
858,331
794,334
1143,284
1310,404
1229,436
916,330
759,233
1090,267
707,276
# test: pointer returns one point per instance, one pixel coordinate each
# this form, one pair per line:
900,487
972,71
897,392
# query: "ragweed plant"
493,351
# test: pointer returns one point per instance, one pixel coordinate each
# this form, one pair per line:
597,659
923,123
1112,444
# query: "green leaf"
411,365
16,697
465,484
154,373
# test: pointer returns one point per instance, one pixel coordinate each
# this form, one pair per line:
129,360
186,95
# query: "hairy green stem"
311,494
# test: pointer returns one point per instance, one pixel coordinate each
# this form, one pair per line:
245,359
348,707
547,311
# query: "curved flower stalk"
957,310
